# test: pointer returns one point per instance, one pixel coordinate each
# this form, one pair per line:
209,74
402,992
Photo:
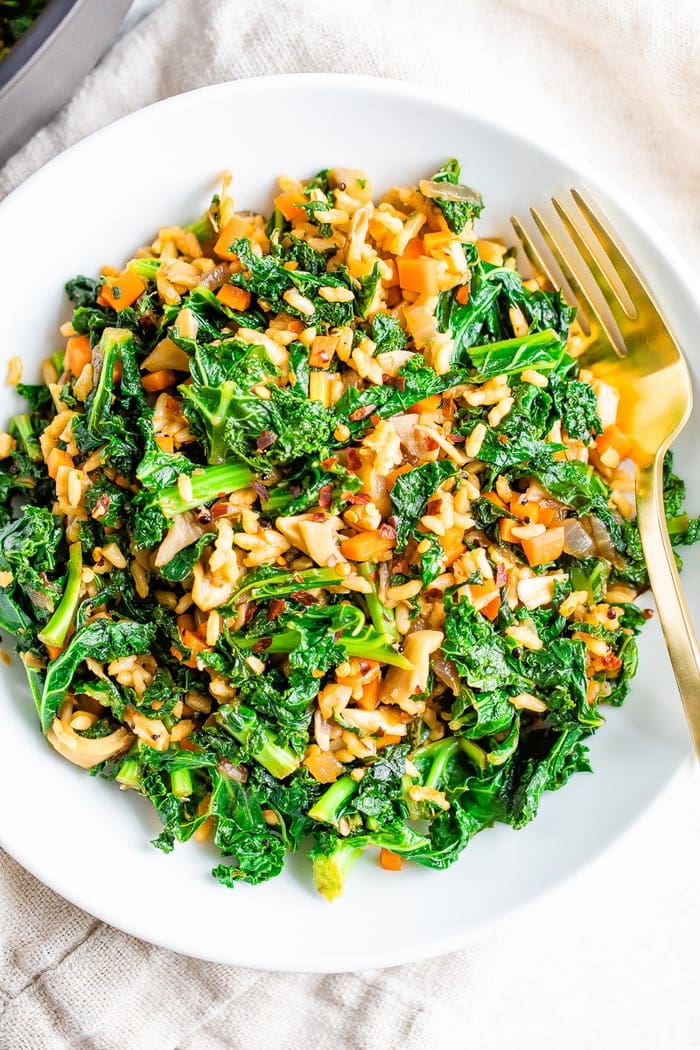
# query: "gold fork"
629,346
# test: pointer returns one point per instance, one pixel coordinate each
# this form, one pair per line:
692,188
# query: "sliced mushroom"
87,752
184,530
150,730
399,685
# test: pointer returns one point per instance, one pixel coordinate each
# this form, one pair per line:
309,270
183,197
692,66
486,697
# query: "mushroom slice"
400,685
85,751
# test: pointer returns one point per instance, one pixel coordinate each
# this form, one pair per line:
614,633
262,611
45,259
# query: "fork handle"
668,593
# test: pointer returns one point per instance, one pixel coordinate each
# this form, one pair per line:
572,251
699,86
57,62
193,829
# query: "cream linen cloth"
612,958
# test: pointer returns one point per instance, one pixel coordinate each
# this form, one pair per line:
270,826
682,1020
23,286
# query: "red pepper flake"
101,507
362,413
261,490
354,459
434,506
261,645
265,439
400,382
250,612
387,532
304,598
318,517
329,463
647,613
325,496
275,608
221,510
503,438
375,420
358,499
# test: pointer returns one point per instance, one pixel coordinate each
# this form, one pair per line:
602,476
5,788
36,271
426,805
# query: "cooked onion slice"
449,191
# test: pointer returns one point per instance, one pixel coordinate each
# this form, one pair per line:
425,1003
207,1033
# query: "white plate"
95,204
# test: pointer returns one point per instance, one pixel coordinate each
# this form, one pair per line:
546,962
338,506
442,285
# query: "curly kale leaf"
412,492
387,333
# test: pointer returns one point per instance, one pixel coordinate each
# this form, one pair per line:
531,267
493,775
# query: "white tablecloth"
612,958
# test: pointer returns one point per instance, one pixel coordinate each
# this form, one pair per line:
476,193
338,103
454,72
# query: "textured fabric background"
610,959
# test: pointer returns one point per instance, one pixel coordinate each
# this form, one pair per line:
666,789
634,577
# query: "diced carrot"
194,643
367,546
452,544
462,294
236,298
418,275
389,861
434,241
185,622
120,292
491,610
546,547
323,765
545,515
160,380
187,745
165,443
494,498
414,249
370,695
613,437
387,740
322,349
505,530
78,354
53,651
289,204
56,458
524,508
394,474
237,227
428,405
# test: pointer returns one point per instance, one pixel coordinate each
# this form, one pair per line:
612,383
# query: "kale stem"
382,618
105,357
328,808
129,775
246,727
146,268
207,485
181,783
21,427
201,228
331,870
440,753
56,630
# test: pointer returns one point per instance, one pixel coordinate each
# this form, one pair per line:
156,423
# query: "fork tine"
608,281
537,260
543,267
604,320
624,268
